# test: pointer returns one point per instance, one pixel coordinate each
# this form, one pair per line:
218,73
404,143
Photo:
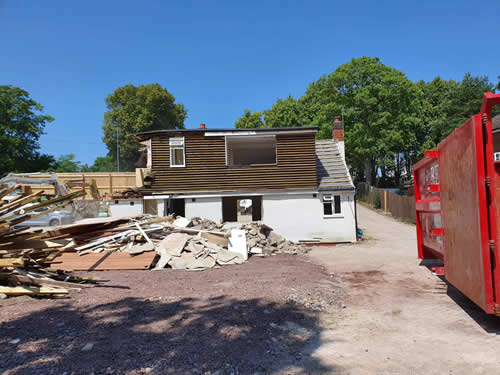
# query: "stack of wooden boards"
14,211
25,255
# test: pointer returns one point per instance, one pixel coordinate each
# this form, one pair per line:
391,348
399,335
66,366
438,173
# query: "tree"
101,164
21,125
283,114
67,164
133,109
448,104
379,109
250,120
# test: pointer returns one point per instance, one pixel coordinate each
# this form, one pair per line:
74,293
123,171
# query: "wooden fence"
107,182
399,206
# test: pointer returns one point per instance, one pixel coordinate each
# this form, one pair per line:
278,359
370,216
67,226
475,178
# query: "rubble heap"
41,261
205,224
261,236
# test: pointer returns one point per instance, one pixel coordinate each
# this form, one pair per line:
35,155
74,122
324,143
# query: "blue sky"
220,57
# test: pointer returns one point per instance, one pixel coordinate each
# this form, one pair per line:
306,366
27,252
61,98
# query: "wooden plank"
103,261
14,205
7,192
24,290
12,262
46,282
216,239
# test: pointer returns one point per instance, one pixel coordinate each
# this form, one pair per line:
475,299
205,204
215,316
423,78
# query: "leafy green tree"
249,120
285,113
379,109
67,164
21,125
101,164
133,109
448,104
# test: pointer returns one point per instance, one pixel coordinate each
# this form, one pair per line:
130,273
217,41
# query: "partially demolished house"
284,177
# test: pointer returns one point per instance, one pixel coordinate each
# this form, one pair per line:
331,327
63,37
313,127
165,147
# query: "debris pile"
41,261
26,255
262,237
145,242
205,224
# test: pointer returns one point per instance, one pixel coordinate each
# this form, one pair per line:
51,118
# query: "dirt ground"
368,308
260,317
399,317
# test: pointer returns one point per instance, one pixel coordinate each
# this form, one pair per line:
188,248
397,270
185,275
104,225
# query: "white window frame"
174,144
331,198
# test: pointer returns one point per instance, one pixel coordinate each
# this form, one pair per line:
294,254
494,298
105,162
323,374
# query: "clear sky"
220,57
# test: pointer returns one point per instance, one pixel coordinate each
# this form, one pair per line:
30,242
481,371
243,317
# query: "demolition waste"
41,261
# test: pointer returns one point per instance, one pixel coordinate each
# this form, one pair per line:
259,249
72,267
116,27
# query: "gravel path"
400,318
256,318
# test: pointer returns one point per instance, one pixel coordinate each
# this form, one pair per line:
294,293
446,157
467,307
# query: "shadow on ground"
490,323
161,336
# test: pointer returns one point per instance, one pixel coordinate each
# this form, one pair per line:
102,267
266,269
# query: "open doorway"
175,207
242,209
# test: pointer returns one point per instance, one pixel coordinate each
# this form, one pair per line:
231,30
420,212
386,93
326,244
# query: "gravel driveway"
280,315
400,318
260,317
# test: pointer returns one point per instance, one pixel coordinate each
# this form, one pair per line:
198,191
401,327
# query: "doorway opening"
242,209
175,207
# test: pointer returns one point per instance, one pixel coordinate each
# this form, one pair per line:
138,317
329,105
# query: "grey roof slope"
332,171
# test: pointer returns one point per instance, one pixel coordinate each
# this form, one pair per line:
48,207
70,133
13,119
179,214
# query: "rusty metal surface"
460,174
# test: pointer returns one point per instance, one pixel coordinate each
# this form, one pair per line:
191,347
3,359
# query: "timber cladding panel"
206,169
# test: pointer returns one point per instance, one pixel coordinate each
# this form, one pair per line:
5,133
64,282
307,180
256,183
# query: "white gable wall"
300,217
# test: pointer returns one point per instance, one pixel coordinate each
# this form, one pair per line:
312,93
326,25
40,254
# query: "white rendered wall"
207,208
300,217
124,208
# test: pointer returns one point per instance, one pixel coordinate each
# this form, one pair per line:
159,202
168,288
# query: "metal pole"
117,150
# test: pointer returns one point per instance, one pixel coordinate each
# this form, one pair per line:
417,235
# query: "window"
250,151
177,155
331,205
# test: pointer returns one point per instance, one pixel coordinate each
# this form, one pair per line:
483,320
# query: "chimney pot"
202,126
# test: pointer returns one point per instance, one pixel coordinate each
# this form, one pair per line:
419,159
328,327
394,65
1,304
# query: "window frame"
252,137
173,146
331,199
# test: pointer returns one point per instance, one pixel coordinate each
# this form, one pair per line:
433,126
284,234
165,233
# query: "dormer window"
250,151
177,152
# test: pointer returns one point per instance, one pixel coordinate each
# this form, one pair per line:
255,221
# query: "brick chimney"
338,135
202,126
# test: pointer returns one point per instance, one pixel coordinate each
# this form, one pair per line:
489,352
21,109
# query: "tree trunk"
368,171
397,170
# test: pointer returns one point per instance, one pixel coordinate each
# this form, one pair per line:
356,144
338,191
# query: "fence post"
385,201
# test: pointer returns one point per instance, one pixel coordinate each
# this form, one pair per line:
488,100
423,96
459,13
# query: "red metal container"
457,188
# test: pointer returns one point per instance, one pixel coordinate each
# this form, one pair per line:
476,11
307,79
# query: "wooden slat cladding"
206,169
